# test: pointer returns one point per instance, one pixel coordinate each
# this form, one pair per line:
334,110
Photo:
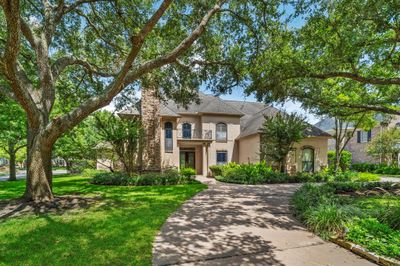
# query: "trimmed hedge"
170,177
376,168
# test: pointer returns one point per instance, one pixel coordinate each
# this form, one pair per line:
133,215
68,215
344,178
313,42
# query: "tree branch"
60,64
9,63
179,50
59,125
356,77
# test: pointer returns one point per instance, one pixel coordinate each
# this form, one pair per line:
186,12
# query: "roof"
209,104
251,113
254,124
328,124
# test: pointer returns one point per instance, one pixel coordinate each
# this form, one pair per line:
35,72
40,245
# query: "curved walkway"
243,225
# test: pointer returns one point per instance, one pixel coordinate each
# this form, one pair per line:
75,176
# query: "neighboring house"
357,145
214,132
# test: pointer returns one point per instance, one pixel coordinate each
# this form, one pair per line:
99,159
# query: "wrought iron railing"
195,134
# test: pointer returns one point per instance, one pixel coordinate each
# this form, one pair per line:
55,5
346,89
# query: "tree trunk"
39,178
337,160
11,150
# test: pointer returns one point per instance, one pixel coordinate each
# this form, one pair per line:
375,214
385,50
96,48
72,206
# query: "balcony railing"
195,134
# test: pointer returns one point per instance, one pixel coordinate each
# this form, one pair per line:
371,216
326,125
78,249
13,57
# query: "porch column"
205,159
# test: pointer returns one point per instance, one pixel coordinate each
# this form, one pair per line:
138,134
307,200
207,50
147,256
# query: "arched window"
168,136
187,131
221,132
307,159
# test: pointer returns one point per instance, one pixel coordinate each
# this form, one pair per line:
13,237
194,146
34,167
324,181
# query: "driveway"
243,225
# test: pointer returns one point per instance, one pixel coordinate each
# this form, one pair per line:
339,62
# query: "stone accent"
150,109
380,260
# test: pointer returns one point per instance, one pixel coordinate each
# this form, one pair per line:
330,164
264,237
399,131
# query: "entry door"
187,159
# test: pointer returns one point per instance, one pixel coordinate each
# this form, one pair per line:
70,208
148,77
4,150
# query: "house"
358,143
215,131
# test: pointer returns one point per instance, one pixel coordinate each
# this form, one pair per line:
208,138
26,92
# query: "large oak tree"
80,54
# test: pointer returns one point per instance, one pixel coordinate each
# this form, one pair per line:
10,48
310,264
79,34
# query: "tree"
103,48
345,127
386,146
12,132
341,54
278,135
77,146
125,135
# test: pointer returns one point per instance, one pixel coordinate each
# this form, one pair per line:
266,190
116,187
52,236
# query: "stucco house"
214,132
357,145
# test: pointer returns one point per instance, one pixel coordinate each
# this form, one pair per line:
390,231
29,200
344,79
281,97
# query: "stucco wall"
209,122
249,149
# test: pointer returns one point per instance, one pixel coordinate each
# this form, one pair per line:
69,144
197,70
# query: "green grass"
120,232
367,177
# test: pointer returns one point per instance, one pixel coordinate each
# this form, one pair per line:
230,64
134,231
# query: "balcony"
194,134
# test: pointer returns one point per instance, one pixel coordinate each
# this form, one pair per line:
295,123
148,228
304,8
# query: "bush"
345,160
88,172
216,170
365,167
375,236
326,219
188,172
388,170
170,177
366,177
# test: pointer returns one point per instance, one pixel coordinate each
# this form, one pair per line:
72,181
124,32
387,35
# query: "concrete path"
22,175
243,225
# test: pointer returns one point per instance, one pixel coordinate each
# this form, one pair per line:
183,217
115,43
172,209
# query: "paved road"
243,225
22,175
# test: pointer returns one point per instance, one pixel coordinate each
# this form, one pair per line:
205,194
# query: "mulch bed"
377,191
61,204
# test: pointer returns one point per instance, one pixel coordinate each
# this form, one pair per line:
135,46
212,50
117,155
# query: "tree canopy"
331,54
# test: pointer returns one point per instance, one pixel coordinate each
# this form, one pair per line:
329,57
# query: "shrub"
375,236
366,177
88,172
217,170
388,170
188,172
146,179
365,167
345,160
326,219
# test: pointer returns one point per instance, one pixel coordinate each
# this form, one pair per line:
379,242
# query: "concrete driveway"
22,174
243,225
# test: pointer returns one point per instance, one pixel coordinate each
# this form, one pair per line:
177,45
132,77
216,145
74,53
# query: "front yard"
367,214
117,227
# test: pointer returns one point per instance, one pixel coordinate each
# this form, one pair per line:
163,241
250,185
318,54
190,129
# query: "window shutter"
369,135
358,136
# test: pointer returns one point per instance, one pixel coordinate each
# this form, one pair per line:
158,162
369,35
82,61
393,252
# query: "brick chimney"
150,110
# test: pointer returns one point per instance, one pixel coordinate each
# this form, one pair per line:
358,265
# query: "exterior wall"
209,122
249,149
249,152
320,146
169,159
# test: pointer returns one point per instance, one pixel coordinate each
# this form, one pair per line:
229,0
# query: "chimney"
150,110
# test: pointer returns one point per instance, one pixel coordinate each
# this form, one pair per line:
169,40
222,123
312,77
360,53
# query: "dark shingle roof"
208,104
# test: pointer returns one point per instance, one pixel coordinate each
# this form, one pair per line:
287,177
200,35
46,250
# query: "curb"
364,253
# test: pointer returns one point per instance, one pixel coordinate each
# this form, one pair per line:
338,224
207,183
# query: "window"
187,131
222,157
363,136
168,137
307,159
221,132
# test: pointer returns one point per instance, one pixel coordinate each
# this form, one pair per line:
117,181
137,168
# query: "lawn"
367,214
119,231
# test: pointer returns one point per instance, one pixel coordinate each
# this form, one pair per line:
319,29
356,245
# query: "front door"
187,159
